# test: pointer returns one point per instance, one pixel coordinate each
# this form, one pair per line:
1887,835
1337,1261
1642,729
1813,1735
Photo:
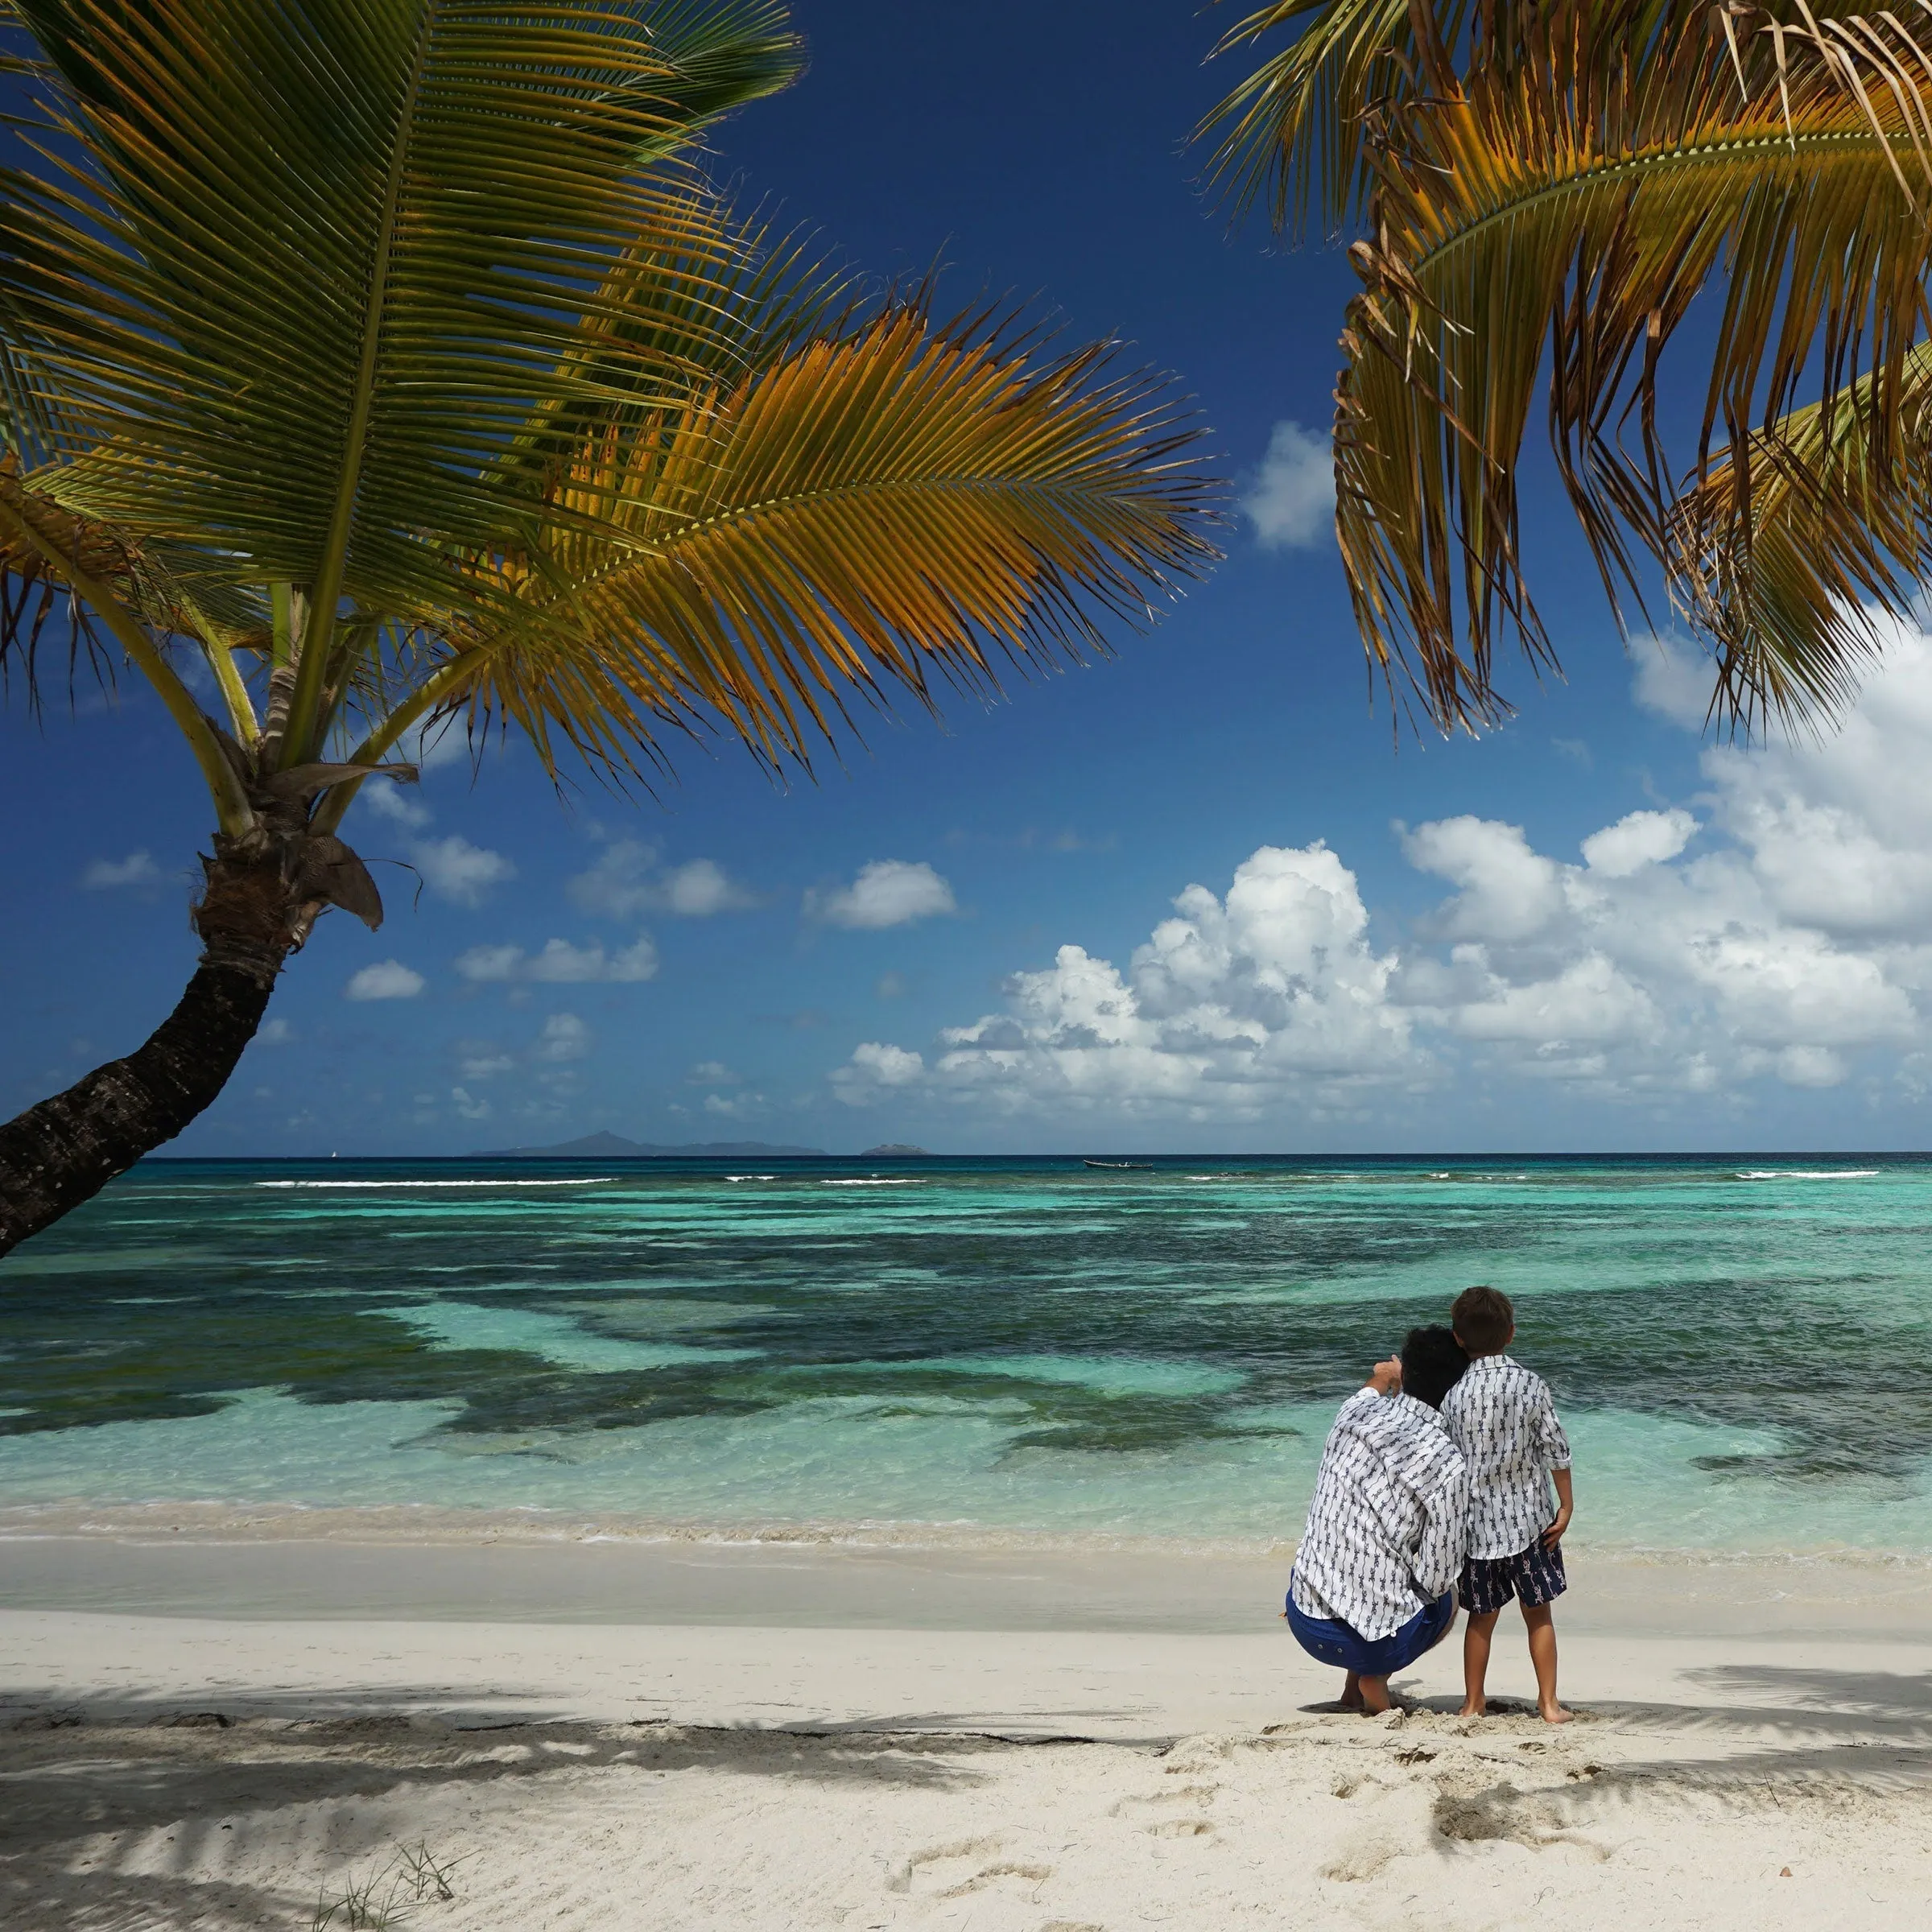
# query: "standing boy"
1501,1417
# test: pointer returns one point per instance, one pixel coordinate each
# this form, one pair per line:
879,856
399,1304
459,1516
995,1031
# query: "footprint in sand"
1025,1878
1360,1859
1500,1812
935,1872
1156,1814
1161,1803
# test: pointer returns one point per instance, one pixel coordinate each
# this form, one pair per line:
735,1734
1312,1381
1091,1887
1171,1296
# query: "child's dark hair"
1433,1362
1483,1318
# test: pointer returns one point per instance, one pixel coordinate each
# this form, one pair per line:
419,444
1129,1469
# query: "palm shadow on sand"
72,1775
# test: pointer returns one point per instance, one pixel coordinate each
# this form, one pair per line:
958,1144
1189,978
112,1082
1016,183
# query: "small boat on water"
1120,1166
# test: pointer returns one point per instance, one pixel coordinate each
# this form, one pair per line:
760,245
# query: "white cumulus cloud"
105,875
1674,680
1836,830
1589,999
1508,890
875,1069
1810,1067
453,868
737,1107
445,742
387,979
1781,933
1638,839
396,803
1291,504
564,1037
559,963
619,886
697,889
627,879
887,892
1230,1005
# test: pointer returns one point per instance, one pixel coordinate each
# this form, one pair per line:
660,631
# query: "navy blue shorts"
1534,1576
1329,1641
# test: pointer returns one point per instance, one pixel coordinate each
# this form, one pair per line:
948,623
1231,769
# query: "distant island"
886,1149
613,1146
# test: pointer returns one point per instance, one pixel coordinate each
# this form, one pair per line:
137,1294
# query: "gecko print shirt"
1388,1527
1503,1420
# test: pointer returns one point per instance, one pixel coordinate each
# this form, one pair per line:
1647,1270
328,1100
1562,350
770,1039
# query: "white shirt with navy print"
1389,1523
1502,1419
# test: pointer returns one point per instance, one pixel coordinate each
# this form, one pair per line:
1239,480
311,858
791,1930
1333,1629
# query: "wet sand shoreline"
193,1571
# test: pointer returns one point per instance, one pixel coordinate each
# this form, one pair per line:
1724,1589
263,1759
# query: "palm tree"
366,364
1572,198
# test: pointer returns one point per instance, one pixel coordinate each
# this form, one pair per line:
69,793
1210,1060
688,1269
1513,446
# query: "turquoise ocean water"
1740,1347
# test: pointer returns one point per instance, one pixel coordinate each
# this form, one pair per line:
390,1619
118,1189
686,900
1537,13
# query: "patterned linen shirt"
1389,1521
1502,1419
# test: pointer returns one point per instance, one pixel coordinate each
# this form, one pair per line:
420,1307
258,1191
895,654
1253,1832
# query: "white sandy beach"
697,1770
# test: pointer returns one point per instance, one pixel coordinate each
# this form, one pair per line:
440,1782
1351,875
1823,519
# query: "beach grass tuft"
413,1877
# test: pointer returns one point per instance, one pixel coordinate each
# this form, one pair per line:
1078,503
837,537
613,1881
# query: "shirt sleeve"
1439,1560
1550,1436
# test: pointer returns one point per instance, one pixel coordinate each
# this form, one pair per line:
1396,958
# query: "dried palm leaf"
1553,216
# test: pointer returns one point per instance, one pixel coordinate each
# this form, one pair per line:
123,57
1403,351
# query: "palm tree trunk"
63,1151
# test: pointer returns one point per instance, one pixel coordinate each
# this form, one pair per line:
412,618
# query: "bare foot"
1375,1697
1555,1714
1351,1698
1474,1706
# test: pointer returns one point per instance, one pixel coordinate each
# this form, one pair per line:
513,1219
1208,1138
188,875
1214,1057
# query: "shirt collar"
1398,1411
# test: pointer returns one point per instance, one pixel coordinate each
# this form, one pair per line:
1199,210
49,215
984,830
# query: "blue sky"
1745,962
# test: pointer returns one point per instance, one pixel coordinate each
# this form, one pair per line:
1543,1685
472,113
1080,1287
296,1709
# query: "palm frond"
291,277
886,503
1837,528
176,591
1572,203
1291,134
1297,131
723,54
399,343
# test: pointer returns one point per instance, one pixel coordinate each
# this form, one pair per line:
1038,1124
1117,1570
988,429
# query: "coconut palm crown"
366,365
1562,199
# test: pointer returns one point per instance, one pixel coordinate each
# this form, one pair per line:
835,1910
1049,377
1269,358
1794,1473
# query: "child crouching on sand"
1500,1416
1373,1587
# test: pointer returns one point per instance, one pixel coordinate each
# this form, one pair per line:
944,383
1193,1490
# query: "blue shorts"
1534,1576
1329,1641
